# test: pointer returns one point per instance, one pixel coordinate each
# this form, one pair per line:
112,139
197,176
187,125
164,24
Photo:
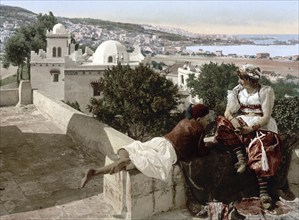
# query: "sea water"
263,44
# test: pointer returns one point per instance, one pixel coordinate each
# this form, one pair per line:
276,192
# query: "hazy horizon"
203,17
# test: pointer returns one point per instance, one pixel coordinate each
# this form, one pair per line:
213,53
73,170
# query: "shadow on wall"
91,134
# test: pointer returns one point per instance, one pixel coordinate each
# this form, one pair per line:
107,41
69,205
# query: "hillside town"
93,36
150,42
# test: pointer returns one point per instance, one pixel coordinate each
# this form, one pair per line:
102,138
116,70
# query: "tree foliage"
157,65
74,105
138,102
286,109
32,37
16,51
283,88
212,84
286,113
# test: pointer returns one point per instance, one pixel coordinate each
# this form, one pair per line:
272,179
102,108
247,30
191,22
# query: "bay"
250,50
270,38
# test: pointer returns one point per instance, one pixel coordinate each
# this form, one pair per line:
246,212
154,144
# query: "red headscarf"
199,110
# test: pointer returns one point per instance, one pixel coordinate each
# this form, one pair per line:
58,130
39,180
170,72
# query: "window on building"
59,52
54,52
96,88
55,77
110,59
55,74
182,79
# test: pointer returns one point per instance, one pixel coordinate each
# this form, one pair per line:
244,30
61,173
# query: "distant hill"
23,17
20,15
129,27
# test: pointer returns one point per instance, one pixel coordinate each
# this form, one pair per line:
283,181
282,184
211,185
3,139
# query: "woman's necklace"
249,94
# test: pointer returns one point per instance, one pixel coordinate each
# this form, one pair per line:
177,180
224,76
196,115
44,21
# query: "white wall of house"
78,87
42,78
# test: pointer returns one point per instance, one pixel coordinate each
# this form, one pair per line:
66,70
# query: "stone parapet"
136,196
25,93
59,112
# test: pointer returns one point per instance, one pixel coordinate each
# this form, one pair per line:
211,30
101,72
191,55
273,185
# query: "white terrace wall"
18,96
132,194
136,196
84,129
58,111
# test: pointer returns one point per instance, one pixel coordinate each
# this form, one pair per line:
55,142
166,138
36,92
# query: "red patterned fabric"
218,210
271,141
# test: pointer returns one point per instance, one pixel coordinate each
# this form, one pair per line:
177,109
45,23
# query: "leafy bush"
286,114
74,105
138,102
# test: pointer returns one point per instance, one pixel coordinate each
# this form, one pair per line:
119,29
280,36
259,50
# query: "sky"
202,17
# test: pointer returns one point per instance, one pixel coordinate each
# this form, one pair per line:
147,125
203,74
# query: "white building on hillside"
179,73
70,75
183,76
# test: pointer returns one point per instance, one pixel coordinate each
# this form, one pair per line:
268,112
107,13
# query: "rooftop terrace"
41,168
43,156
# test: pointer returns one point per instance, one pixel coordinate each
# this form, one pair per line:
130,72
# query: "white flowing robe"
153,158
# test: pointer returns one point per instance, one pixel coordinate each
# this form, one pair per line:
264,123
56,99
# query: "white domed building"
70,75
110,53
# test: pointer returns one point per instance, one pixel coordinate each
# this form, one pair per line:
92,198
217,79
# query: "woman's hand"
235,123
239,129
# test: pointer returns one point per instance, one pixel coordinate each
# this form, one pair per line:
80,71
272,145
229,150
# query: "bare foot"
88,174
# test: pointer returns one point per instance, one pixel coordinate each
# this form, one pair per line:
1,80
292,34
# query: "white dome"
110,52
59,29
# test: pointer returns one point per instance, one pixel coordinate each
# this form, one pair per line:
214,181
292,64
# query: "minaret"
58,42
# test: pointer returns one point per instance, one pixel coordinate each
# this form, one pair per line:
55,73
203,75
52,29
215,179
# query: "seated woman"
155,157
247,126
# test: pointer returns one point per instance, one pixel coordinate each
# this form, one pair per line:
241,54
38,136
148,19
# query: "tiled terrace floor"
40,166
